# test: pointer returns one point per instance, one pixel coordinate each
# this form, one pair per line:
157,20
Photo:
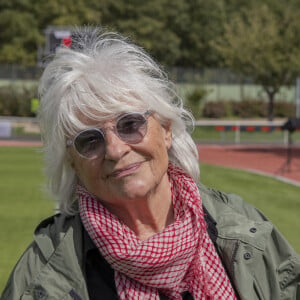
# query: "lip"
125,171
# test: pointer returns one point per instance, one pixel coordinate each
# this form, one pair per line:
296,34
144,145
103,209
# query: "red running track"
270,159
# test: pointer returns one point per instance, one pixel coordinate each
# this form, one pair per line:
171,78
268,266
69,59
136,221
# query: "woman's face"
127,171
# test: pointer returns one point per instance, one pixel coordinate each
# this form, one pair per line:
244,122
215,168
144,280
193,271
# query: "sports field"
23,203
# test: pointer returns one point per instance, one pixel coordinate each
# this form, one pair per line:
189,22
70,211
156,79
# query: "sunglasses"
130,128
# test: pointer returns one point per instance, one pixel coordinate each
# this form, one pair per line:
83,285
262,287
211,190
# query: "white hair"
102,75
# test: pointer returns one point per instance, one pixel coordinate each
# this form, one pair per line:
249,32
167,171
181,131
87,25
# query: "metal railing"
238,127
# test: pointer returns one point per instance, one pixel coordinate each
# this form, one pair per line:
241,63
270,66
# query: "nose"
115,148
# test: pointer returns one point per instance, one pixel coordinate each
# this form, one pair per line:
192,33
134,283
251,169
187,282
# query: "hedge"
246,109
16,100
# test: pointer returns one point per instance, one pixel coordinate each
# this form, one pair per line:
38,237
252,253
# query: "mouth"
125,171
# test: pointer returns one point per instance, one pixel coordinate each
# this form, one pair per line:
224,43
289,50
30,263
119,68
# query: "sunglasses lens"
132,128
90,143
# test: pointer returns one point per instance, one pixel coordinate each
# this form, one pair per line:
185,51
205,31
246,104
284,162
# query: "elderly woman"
133,222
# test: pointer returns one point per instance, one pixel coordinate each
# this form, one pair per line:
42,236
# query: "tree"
67,12
19,34
148,24
204,24
23,22
264,44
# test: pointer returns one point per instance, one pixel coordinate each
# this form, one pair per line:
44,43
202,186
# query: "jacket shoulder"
51,231
216,201
259,260
53,238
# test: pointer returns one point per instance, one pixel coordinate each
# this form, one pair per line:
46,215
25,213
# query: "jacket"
259,261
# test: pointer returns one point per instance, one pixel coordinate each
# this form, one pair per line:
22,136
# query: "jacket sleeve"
259,260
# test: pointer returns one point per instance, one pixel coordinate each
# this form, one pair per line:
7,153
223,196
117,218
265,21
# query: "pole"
298,97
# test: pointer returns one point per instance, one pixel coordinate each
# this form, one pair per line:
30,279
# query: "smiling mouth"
126,171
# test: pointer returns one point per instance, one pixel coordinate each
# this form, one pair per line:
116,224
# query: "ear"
70,160
72,164
168,136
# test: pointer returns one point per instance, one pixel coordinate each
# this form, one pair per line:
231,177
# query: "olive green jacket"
259,261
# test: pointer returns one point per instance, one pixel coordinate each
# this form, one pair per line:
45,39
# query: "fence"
206,131
220,84
177,74
241,131
19,72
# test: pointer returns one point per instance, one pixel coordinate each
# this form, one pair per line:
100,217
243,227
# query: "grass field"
23,203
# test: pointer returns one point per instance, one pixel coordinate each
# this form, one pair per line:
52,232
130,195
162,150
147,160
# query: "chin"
136,189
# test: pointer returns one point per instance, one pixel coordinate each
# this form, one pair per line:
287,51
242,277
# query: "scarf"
178,259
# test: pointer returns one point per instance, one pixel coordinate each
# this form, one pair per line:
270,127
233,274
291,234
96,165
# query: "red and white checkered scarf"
180,258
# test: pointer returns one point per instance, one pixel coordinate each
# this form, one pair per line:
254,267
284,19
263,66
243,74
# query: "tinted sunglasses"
130,128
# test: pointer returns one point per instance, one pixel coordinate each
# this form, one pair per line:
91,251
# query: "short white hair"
102,75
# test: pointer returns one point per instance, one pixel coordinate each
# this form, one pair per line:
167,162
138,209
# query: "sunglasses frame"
71,142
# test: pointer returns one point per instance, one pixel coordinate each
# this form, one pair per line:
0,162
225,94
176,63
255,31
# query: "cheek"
159,149
86,171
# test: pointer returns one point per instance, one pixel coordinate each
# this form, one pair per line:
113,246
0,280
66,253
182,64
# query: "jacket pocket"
289,278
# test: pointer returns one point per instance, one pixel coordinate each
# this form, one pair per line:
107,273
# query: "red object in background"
67,41
265,128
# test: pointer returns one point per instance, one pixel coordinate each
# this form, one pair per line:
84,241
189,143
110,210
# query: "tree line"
256,38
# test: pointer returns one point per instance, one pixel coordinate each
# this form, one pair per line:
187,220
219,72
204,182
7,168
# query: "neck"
149,215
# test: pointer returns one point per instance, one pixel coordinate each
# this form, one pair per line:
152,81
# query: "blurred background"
236,64
229,59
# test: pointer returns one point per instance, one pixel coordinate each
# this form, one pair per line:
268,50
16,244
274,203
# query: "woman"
133,223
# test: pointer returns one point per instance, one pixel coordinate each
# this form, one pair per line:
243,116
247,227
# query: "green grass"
23,203
279,201
206,134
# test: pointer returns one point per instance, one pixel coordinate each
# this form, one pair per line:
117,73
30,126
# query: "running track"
270,160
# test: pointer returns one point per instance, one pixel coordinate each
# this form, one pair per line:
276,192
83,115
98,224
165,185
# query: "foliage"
16,101
19,36
250,108
216,109
23,22
262,43
283,109
257,39
174,32
148,23
204,23
194,100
